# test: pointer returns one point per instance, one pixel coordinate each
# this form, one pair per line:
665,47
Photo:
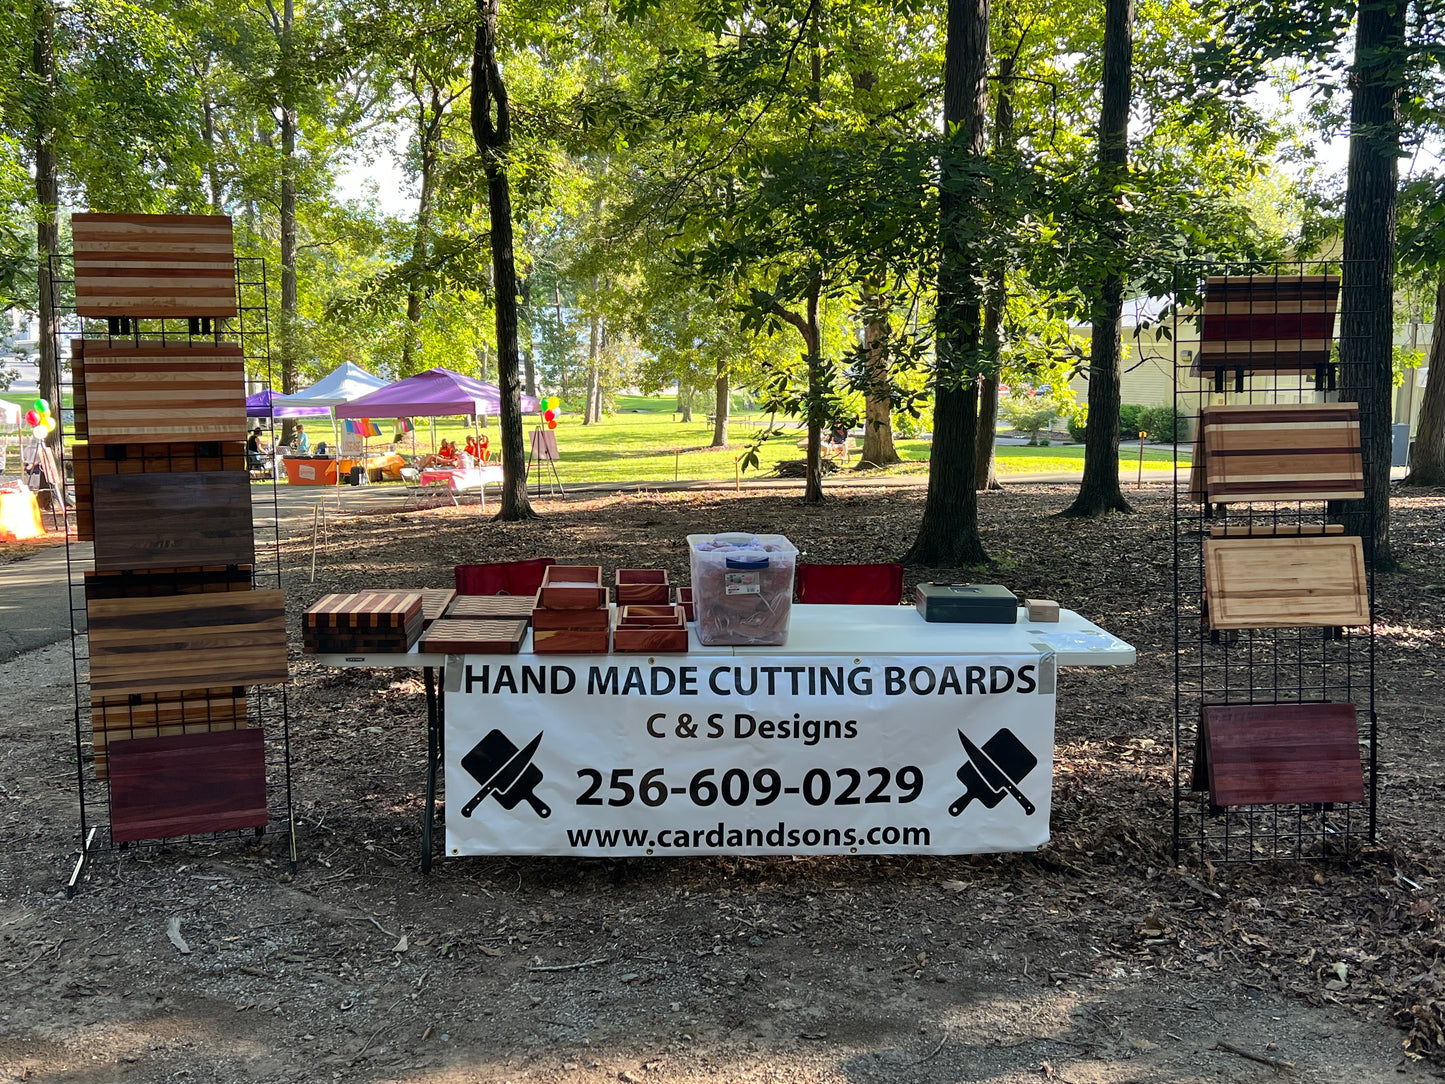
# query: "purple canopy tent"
432,394
263,405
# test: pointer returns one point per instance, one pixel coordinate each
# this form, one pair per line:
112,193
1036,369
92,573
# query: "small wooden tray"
651,616
1258,583
631,639
517,607
474,636
570,641
572,587
1271,754
648,586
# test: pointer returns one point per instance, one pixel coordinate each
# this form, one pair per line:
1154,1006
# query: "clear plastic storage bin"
742,588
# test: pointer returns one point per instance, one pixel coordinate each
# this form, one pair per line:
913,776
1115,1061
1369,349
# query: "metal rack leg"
433,762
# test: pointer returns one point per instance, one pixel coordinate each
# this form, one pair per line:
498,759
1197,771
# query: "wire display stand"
1258,666
101,720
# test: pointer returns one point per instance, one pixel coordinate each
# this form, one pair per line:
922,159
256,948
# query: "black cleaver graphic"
506,771
993,771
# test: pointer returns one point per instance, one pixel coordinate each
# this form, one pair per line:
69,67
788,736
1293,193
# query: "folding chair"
502,577
842,585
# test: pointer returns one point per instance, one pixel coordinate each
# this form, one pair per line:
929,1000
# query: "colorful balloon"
551,425
32,417
40,405
550,415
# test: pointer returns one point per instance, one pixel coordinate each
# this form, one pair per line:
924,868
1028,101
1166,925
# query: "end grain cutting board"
154,265
146,645
1258,583
474,636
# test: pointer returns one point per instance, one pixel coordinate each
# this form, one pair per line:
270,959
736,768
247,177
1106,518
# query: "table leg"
433,763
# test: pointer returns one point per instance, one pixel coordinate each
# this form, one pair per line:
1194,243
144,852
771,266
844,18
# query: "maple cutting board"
172,520
1255,583
154,265
1283,452
1271,754
152,392
153,715
145,645
474,636
517,607
187,784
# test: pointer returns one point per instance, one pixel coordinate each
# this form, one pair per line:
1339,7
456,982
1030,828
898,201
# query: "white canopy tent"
343,384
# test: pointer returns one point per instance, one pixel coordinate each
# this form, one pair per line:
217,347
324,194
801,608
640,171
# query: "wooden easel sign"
544,450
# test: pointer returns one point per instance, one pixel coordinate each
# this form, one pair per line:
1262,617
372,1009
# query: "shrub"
1029,414
1161,423
1076,427
1129,415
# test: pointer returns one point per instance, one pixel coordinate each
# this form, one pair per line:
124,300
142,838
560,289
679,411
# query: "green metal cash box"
967,603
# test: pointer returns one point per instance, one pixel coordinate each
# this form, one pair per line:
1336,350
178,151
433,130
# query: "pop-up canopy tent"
266,404
343,384
432,394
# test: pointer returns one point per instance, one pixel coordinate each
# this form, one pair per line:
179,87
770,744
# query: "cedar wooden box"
572,587
646,586
659,629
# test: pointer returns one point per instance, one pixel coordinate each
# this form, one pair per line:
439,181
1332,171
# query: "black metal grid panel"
1257,666
267,707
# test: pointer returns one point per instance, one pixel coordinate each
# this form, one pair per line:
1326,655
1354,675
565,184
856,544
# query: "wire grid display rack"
265,706
1293,665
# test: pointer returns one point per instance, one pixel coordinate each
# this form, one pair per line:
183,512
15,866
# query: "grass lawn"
644,442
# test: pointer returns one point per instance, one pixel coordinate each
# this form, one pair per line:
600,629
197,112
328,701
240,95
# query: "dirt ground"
1094,960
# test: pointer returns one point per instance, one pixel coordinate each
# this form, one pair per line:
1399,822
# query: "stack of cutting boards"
177,630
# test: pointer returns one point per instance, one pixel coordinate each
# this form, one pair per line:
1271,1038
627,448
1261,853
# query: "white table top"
874,630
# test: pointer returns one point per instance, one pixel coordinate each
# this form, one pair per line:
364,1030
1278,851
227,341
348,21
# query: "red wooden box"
569,641
647,586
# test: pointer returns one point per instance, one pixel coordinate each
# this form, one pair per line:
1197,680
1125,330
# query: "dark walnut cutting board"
172,520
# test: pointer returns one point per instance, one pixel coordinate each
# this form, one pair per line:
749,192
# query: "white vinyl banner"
600,755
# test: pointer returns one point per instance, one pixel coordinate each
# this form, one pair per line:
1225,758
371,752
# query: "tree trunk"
995,292
1427,458
592,345
1100,492
208,134
878,450
1367,295
529,364
812,335
948,535
47,199
684,398
288,205
493,134
428,133
722,407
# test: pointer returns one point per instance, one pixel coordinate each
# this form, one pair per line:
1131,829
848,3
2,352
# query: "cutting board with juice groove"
143,645
1256,583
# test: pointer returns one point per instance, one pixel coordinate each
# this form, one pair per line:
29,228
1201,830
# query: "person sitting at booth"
301,442
445,456
255,454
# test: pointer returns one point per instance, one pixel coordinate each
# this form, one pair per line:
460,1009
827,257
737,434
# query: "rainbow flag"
364,427
403,427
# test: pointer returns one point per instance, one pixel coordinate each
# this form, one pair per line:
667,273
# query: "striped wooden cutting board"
364,610
155,393
156,715
1259,583
1267,323
154,265
173,520
93,461
1282,452
145,645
